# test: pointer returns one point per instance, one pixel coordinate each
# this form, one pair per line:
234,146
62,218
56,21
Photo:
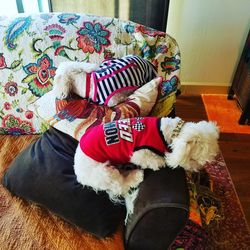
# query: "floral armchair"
34,45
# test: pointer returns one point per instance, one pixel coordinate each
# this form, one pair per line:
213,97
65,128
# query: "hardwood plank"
234,148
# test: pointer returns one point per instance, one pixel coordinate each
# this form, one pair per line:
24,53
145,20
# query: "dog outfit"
116,141
113,76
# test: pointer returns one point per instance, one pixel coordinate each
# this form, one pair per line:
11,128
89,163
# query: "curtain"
152,13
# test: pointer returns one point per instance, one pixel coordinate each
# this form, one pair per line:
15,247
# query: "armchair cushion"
43,173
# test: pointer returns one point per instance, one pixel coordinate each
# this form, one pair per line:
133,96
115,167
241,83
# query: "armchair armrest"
161,210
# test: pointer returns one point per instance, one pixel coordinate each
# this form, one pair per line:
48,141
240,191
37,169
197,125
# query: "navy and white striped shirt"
128,73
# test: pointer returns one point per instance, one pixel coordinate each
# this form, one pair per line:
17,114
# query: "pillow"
43,173
76,115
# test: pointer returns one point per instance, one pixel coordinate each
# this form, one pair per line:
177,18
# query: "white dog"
148,142
109,83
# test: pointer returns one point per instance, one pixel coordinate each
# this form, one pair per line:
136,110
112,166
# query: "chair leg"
245,116
230,95
172,114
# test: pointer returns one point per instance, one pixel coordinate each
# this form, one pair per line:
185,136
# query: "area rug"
225,112
26,226
229,228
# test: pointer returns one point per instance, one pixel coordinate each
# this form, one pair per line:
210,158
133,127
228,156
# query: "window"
9,8
30,6
12,7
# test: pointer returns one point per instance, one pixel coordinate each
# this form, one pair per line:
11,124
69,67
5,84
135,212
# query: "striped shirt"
128,73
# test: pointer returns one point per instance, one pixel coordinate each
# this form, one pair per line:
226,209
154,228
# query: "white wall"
211,35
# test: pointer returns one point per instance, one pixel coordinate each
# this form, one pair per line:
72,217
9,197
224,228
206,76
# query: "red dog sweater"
116,141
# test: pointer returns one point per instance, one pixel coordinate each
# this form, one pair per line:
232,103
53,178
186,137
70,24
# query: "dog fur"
70,77
195,145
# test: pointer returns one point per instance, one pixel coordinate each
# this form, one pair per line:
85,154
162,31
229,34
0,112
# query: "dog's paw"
62,92
134,178
145,158
119,97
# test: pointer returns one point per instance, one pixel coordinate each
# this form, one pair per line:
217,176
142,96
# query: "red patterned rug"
230,229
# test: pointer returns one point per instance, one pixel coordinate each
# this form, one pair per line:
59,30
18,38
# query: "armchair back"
32,46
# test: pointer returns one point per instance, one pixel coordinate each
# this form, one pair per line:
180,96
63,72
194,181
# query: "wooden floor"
235,148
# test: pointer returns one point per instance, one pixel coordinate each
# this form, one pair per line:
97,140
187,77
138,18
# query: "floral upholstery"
32,46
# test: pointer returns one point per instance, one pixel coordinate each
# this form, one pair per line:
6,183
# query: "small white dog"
147,142
108,83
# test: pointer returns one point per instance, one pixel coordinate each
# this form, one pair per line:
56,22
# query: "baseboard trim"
195,89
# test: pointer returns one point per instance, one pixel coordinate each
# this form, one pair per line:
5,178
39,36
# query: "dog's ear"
216,129
210,128
193,141
89,67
